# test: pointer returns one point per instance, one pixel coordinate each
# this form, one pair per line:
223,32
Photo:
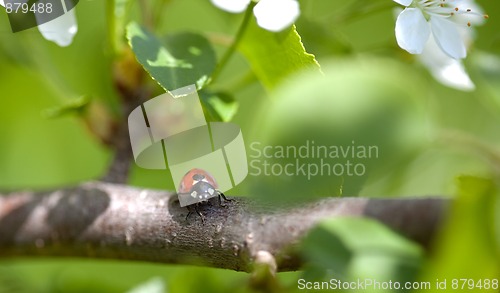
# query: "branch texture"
105,220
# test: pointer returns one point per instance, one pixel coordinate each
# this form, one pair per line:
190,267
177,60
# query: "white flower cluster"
440,32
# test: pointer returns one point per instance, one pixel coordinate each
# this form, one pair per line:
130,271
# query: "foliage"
274,57
367,91
183,59
360,249
473,223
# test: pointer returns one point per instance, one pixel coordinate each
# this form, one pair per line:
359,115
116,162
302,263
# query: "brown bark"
105,220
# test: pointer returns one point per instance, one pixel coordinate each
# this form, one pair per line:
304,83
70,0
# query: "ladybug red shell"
198,186
198,183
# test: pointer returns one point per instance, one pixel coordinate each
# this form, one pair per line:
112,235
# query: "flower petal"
446,70
454,75
276,15
233,6
412,30
404,2
448,38
60,30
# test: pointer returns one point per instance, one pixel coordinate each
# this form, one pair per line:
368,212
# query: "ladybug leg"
199,214
224,197
190,209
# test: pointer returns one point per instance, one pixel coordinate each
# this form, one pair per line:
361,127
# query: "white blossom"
272,15
446,70
440,55
440,18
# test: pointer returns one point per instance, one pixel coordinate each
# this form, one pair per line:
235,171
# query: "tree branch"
105,220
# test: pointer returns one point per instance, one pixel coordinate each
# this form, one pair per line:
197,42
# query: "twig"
232,48
129,82
104,220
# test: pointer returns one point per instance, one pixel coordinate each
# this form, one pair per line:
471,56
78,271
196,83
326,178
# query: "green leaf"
219,106
360,248
275,56
466,247
73,106
176,61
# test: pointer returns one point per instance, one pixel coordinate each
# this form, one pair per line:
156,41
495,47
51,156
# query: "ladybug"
196,187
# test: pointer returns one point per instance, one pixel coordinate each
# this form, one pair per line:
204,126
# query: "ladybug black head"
198,177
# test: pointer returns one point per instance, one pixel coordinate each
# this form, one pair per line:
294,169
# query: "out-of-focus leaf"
385,116
59,152
176,61
72,106
94,114
194,279
10,282
275,56
486,70
466,247
154,285
361,248
219,106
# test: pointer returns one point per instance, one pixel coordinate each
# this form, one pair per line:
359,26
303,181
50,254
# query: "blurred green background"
372,92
